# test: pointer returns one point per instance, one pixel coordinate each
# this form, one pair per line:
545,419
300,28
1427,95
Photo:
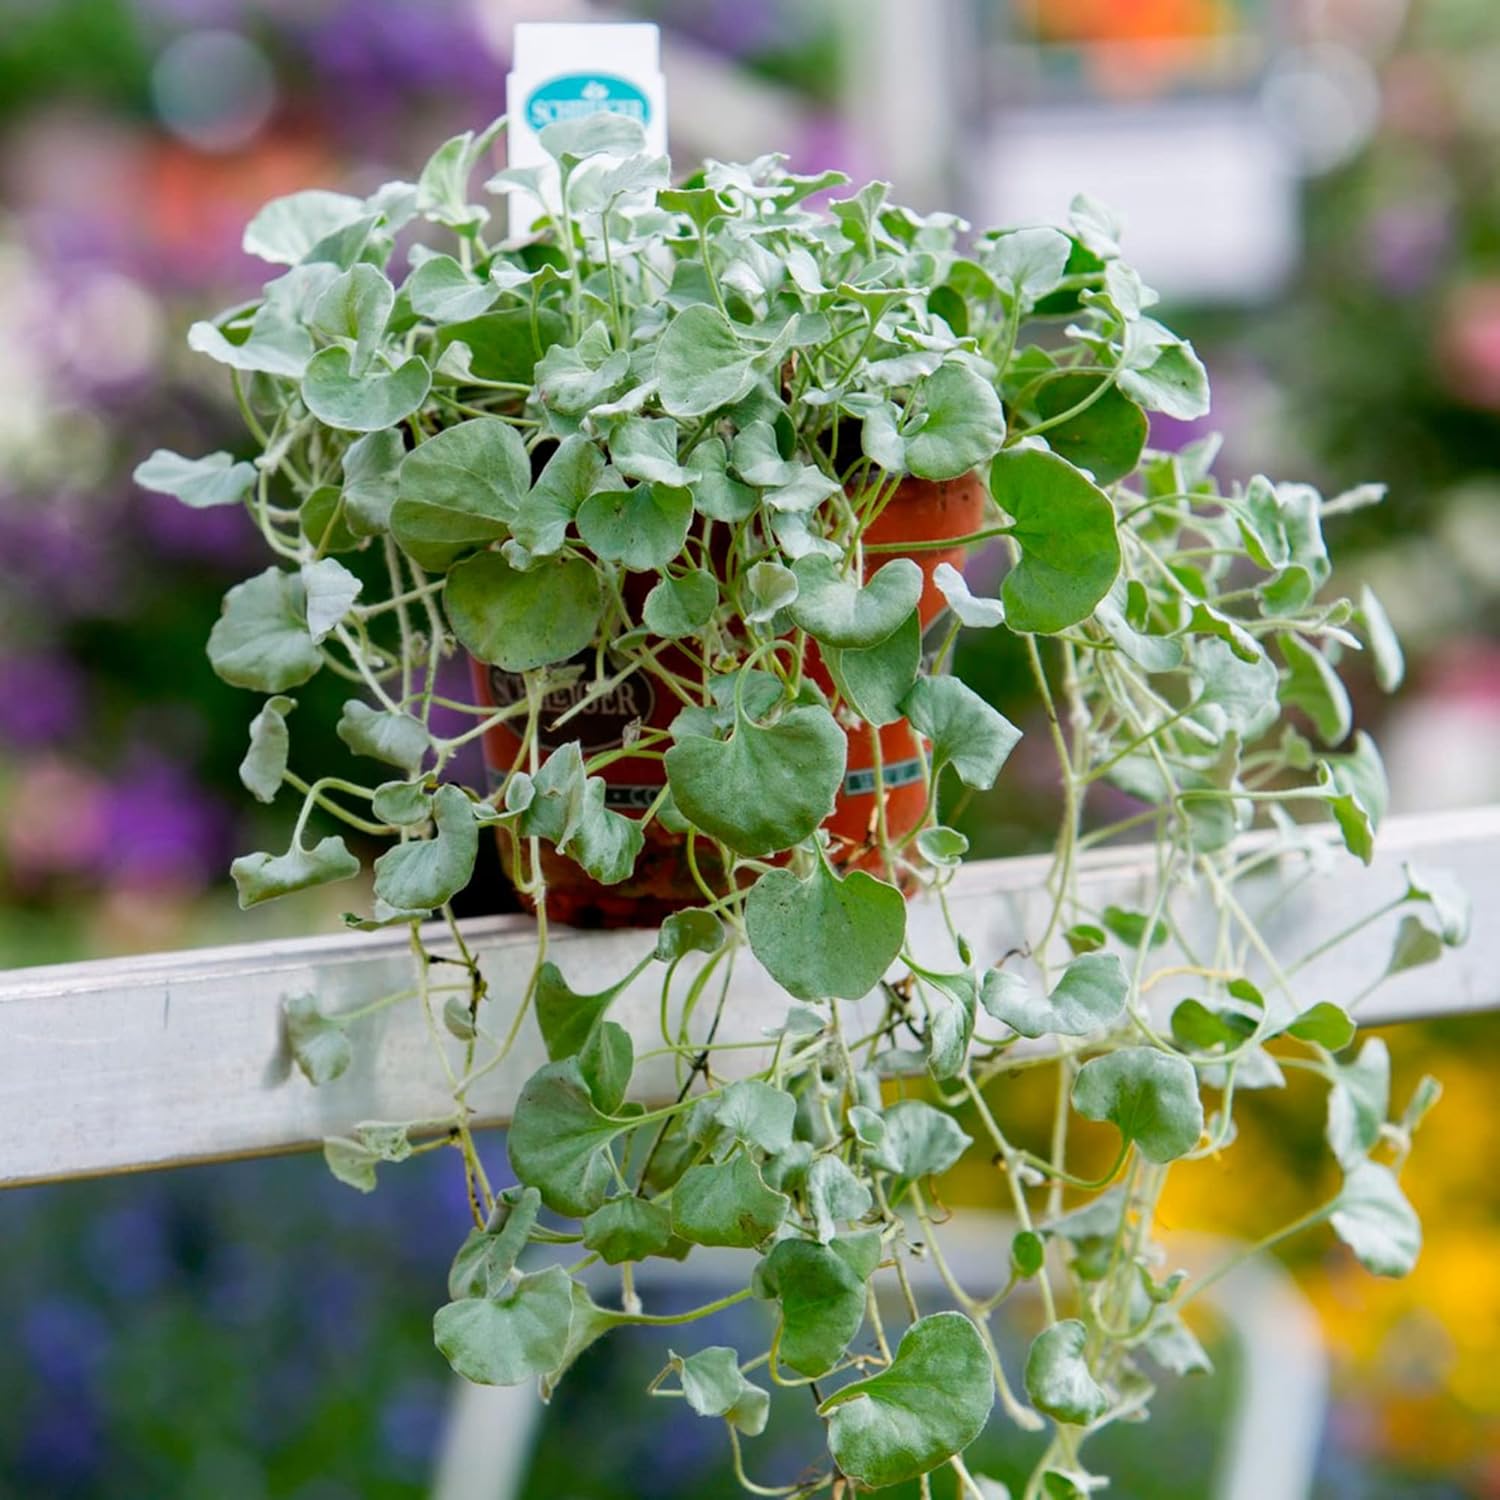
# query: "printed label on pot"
898,773
600,726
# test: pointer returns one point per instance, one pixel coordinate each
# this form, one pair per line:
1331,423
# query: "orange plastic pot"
920,511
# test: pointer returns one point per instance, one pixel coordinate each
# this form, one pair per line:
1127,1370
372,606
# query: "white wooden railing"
127,1064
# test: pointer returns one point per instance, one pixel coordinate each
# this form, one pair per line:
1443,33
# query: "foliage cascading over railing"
716,389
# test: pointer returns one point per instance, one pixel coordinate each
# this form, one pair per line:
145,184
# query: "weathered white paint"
145,1062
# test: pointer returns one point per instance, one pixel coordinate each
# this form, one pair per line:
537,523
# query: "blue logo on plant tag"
578,94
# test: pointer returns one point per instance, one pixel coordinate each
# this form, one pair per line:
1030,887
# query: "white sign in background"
564,71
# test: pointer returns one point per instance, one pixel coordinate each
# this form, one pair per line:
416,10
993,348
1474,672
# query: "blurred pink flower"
1469,343
55,820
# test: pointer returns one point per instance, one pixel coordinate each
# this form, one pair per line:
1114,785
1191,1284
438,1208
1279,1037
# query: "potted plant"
687,471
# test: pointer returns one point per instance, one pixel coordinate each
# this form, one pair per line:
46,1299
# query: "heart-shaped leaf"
1150,1096
371,465
1065,528
962,424
459,490
690,931
263,877
355,308
834,1196
715,493
680,606
716,1387
821,1289
441,290
1026,264
1089,996
286,228
1058,1378
396,738
726,1203
542,519
627,1228
642,527
875,681
512,1338
1376,1222
339,398
835,609
930,1403
825,937
319,1042
645,448
518,621
749,1112
700,363
425,873
558,1141
261,640
198,482
766,787
964,731
920,1141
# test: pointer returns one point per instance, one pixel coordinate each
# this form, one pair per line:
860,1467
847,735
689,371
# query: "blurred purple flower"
65,1341
61,549
410,1421
243,1288
224,536
41,699
1407,243
161,826
129,1249
62,1449
371,52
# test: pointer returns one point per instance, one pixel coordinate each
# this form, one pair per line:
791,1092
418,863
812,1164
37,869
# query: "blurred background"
1312,184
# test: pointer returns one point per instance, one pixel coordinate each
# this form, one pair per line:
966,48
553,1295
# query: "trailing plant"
651,438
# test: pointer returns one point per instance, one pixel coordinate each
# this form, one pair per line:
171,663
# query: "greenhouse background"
1316,189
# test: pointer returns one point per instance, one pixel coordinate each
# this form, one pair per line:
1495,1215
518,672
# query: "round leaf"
261,640
700,363
339,398
1065,527
458,490
835,609
765,788
1057,1375
510,1339
931,1402
825,937
1151,1097
964,424
518,621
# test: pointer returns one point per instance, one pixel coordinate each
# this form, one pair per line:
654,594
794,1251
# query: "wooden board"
145,1062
